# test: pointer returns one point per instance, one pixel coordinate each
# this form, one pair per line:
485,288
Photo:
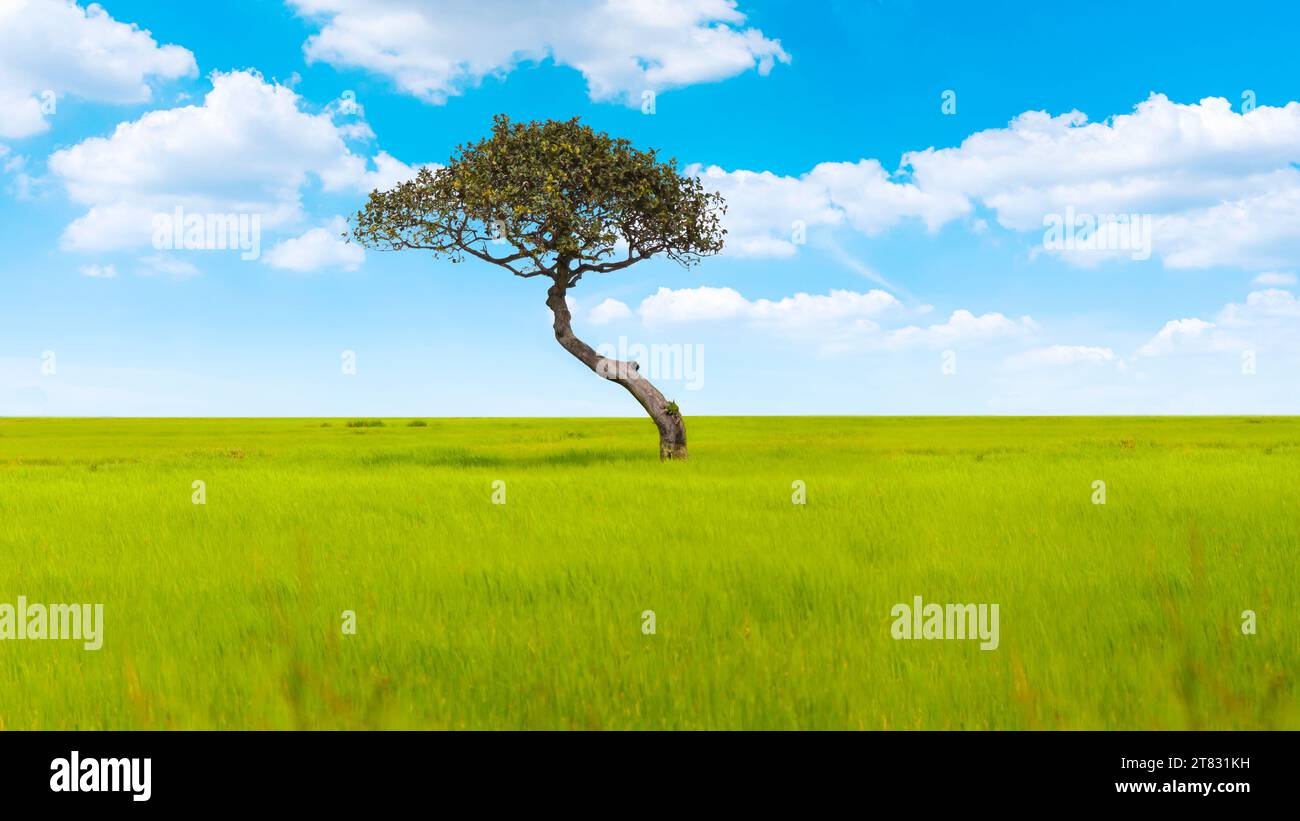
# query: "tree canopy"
554,198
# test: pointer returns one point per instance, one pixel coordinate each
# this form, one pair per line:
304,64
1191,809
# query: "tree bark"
672,431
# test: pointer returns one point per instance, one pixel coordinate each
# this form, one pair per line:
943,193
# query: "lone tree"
556,200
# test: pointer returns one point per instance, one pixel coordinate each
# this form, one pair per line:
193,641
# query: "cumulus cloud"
436,50
1061,355
801,310
1268,319
99,271
23,185
167,265
1252,231
250,148
1183,335
769,215
835,322
763,209
610,310
692,305
1221,185
54,48
1218,187
1275,278
382,172
317,249
961,327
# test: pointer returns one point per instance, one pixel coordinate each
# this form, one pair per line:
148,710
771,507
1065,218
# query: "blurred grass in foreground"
769,615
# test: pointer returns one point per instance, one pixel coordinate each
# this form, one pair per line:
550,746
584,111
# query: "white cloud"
872,202
792,312
962,327
1268,319
1220,187
317,249
24,185
767,212
1164,157
1061,355
99,271
762,209
248,149
168,265
1275,278
436,50
812,310
1181,335
692,305
611,310
1267,307
387,172
54,48
1253,231
836,322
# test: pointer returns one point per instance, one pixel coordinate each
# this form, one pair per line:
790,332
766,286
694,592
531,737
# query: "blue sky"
885,255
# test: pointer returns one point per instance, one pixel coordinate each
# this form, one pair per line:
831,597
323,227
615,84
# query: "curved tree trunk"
672,431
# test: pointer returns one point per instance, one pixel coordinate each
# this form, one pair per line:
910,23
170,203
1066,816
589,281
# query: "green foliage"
672,409
561,194
417,423
366,423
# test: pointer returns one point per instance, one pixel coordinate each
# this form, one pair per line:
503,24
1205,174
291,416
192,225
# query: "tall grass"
768,614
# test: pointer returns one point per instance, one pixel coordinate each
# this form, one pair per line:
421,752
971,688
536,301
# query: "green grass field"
471,614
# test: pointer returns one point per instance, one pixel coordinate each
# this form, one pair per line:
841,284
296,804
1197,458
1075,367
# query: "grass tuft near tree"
556,200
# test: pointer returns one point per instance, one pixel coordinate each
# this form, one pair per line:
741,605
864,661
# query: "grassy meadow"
528,614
